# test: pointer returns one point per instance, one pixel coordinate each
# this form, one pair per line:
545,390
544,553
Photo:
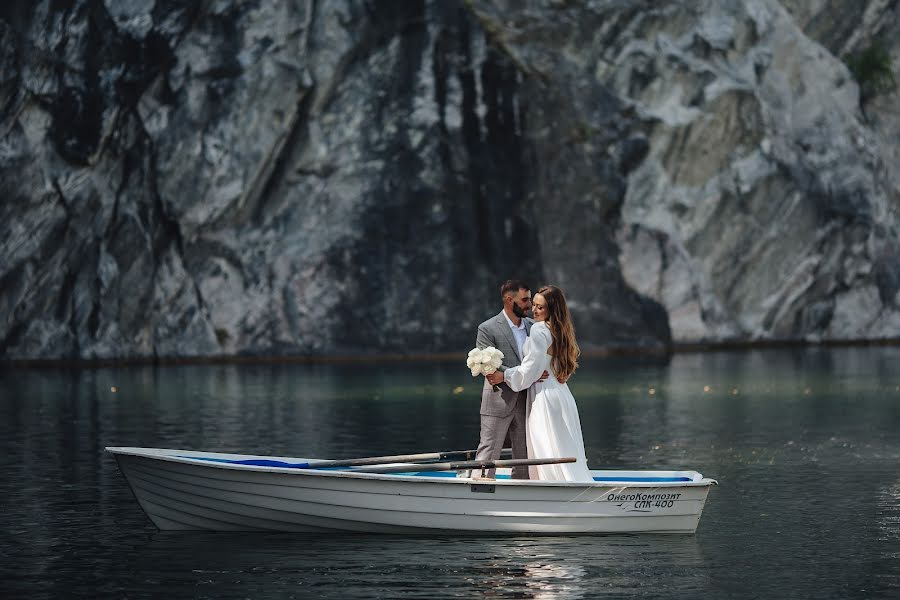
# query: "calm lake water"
805,446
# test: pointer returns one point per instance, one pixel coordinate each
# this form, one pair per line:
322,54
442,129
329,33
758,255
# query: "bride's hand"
495,378
543,376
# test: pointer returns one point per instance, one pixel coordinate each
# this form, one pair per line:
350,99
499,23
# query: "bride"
553,428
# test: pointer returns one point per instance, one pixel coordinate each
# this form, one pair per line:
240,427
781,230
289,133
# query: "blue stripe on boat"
256,462
264,462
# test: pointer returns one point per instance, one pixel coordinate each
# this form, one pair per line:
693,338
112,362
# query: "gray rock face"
781,223
196,179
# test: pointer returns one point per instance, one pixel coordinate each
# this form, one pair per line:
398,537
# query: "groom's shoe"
483,474
477,474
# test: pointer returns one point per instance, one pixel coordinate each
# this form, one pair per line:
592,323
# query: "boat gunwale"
357,475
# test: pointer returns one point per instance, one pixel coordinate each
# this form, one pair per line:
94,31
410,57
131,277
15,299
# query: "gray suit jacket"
496,332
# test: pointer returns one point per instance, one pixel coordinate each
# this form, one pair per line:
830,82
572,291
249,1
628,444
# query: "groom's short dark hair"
512,286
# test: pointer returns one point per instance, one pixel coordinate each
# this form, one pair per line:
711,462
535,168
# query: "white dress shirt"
520,333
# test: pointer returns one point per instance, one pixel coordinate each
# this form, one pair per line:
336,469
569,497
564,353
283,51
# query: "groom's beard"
519,311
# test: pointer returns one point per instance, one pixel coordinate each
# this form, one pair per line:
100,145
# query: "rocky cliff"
232,177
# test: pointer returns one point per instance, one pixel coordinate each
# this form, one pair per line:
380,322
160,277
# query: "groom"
503,411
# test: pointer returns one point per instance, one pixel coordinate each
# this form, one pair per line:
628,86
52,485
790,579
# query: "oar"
404,458
469,464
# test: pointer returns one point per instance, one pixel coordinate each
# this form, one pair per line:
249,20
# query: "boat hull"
182,494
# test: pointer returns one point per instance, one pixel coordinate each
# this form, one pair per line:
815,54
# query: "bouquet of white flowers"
484,361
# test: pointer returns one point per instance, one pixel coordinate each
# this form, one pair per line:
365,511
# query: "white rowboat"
188,490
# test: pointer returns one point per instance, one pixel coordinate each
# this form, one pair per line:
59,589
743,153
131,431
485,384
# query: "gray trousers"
493,434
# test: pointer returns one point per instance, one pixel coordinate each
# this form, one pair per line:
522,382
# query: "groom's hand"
495,378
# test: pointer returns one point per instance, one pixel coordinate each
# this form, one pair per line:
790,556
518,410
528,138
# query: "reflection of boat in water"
187,490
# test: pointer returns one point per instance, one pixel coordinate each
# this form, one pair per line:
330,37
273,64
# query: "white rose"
475,373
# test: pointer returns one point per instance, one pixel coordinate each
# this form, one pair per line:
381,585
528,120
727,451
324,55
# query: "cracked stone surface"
347,177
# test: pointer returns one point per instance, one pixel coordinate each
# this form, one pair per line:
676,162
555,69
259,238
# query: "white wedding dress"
553,428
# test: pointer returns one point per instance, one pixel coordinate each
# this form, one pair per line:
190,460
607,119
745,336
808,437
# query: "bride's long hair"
564,349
